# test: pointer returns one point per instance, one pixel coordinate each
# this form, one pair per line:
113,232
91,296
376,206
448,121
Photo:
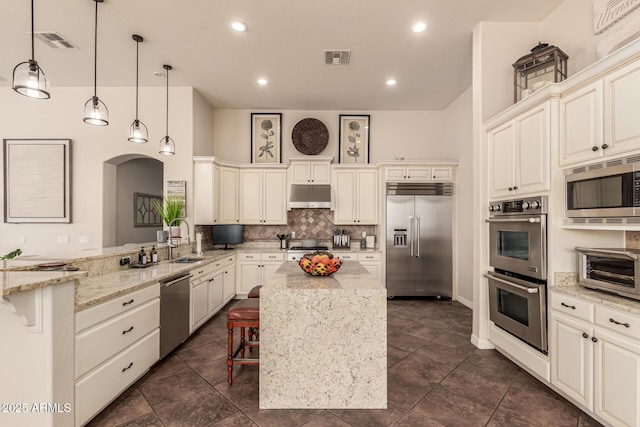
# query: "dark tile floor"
435,378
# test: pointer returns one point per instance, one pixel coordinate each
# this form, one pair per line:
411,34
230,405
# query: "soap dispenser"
142,256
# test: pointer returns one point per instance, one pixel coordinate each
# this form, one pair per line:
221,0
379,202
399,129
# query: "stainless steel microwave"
602,191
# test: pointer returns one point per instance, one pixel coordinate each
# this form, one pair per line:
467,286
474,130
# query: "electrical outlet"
293,234
21,239
63,240
125,260
84,240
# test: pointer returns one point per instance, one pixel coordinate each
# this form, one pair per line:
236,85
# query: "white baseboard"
465,302
482,344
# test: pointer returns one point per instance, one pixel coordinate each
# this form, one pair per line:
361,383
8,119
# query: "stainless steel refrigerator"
419,239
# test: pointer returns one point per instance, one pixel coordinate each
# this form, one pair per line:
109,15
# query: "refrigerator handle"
411,231
417,237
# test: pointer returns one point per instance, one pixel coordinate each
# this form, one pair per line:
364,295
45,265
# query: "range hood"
310,196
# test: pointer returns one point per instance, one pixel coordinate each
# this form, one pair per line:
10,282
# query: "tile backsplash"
632,239
306,223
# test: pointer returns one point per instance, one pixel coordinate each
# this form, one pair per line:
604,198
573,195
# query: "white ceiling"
285,43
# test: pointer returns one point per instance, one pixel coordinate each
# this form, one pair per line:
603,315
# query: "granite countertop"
94,290
567,284
351,276
12,282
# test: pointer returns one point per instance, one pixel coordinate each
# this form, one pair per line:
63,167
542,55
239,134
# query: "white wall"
202,126
458,123
409,134
61,117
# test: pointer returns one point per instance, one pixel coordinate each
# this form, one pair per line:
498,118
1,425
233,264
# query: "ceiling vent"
54,40
337,57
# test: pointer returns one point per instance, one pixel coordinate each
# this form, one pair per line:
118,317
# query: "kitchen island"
323,340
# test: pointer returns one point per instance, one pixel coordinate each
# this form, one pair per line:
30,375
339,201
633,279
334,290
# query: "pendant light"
28,78
167,146
95,112
138,132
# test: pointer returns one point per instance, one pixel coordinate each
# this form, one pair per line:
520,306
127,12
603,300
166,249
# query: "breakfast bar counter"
323,340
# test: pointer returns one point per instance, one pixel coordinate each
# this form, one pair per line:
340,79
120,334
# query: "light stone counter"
13,282
567,284
323,340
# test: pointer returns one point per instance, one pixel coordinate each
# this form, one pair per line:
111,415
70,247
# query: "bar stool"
245,314
254,292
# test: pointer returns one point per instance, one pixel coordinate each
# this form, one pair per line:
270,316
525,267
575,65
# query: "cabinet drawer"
274,256
344,256
94,315
618,321
99,388
370,257
95,345
228,261
249,256
573,306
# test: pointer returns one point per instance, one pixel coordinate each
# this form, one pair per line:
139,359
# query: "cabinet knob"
595,148
585,335
405,177
605,146
510,188
594,339
515,187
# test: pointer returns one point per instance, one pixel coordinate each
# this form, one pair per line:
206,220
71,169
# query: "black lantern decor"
545,64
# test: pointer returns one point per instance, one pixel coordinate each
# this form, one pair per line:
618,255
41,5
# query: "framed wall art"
266,138
37,181
354,139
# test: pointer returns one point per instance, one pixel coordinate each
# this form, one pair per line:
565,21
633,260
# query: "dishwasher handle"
176,280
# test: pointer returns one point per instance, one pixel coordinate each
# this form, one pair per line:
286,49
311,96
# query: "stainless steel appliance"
519,307
611,270
601,190
518,254
419,239
174,312
518,236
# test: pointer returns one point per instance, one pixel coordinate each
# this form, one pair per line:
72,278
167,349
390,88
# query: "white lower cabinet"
595,358
209,293
255,268
372,262
115,343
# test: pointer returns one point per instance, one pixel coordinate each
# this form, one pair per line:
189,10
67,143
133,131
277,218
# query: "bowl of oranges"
319,264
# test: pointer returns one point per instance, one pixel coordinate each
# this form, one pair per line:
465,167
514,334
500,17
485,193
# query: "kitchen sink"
186,260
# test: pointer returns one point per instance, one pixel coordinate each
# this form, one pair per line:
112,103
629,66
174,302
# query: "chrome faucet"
170,241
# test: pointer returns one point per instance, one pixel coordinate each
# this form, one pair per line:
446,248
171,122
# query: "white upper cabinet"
621,106
581,136
229,201
418,173
519,154
310,172
206,206
263,196
356,196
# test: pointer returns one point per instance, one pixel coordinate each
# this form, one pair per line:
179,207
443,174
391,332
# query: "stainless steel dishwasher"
174,312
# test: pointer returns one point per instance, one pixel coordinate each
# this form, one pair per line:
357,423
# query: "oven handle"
524,288
531,220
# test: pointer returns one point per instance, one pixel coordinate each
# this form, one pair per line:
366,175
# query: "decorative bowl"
319,264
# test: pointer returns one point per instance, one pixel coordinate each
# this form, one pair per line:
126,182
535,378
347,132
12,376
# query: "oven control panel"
529,205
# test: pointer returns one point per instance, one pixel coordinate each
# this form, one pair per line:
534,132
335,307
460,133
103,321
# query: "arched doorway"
125,177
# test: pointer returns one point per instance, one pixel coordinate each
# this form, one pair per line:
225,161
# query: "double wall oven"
518,255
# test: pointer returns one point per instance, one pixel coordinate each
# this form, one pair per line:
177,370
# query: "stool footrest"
245,360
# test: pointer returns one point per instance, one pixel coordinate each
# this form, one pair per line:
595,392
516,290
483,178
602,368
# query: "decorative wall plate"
310,136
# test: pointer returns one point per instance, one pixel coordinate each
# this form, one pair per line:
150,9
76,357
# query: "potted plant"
170,210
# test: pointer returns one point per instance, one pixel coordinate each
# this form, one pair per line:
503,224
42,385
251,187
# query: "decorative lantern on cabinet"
545,64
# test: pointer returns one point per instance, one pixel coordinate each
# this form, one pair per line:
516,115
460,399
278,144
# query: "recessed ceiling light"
391,82
419,27
263,82
239,26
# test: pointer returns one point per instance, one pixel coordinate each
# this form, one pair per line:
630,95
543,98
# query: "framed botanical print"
266,138
354,139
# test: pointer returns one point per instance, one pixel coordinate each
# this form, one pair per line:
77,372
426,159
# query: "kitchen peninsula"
323,340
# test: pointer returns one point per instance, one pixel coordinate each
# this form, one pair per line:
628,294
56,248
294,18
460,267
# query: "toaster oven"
612,270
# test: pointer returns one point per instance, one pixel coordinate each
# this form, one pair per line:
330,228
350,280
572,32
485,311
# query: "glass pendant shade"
138,132
29,80
95,112
167,146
